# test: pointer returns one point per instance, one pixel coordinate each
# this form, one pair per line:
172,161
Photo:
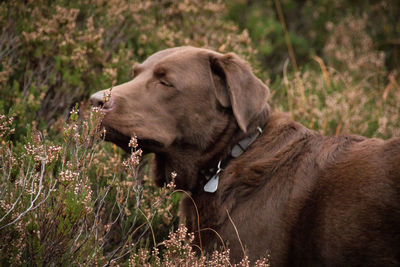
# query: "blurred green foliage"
310,22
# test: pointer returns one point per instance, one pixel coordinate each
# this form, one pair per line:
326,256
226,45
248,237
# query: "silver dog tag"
212,184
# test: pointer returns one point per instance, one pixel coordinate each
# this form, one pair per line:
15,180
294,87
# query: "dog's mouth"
147,145
114,136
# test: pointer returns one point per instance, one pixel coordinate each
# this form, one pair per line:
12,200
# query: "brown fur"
307,199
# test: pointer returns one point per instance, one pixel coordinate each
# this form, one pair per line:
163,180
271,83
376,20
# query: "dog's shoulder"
289,151
284,148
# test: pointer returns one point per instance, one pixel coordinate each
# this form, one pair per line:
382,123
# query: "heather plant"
178,251
63,203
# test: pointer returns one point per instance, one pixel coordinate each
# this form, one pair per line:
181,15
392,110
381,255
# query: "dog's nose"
101,99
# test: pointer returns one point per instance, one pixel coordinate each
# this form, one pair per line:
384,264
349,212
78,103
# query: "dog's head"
182,97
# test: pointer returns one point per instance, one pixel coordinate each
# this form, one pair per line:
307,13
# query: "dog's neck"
189,162
212,175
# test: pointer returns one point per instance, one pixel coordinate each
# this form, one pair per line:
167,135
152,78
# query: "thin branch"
237,234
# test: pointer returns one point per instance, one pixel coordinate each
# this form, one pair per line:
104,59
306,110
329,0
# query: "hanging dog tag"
212,184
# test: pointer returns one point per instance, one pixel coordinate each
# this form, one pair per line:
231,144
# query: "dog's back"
352,216
311,200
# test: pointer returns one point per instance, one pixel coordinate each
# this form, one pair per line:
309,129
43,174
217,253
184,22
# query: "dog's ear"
237,87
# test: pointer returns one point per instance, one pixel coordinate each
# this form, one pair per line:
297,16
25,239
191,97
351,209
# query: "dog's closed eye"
160,73
165,83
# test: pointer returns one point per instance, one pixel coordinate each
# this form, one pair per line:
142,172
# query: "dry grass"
353,93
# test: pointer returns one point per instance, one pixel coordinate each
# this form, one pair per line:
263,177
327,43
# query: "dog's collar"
212,185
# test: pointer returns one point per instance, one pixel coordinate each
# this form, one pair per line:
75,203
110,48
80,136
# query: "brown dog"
306,199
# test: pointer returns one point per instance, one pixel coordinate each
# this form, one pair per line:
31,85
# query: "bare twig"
237,234
197,213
